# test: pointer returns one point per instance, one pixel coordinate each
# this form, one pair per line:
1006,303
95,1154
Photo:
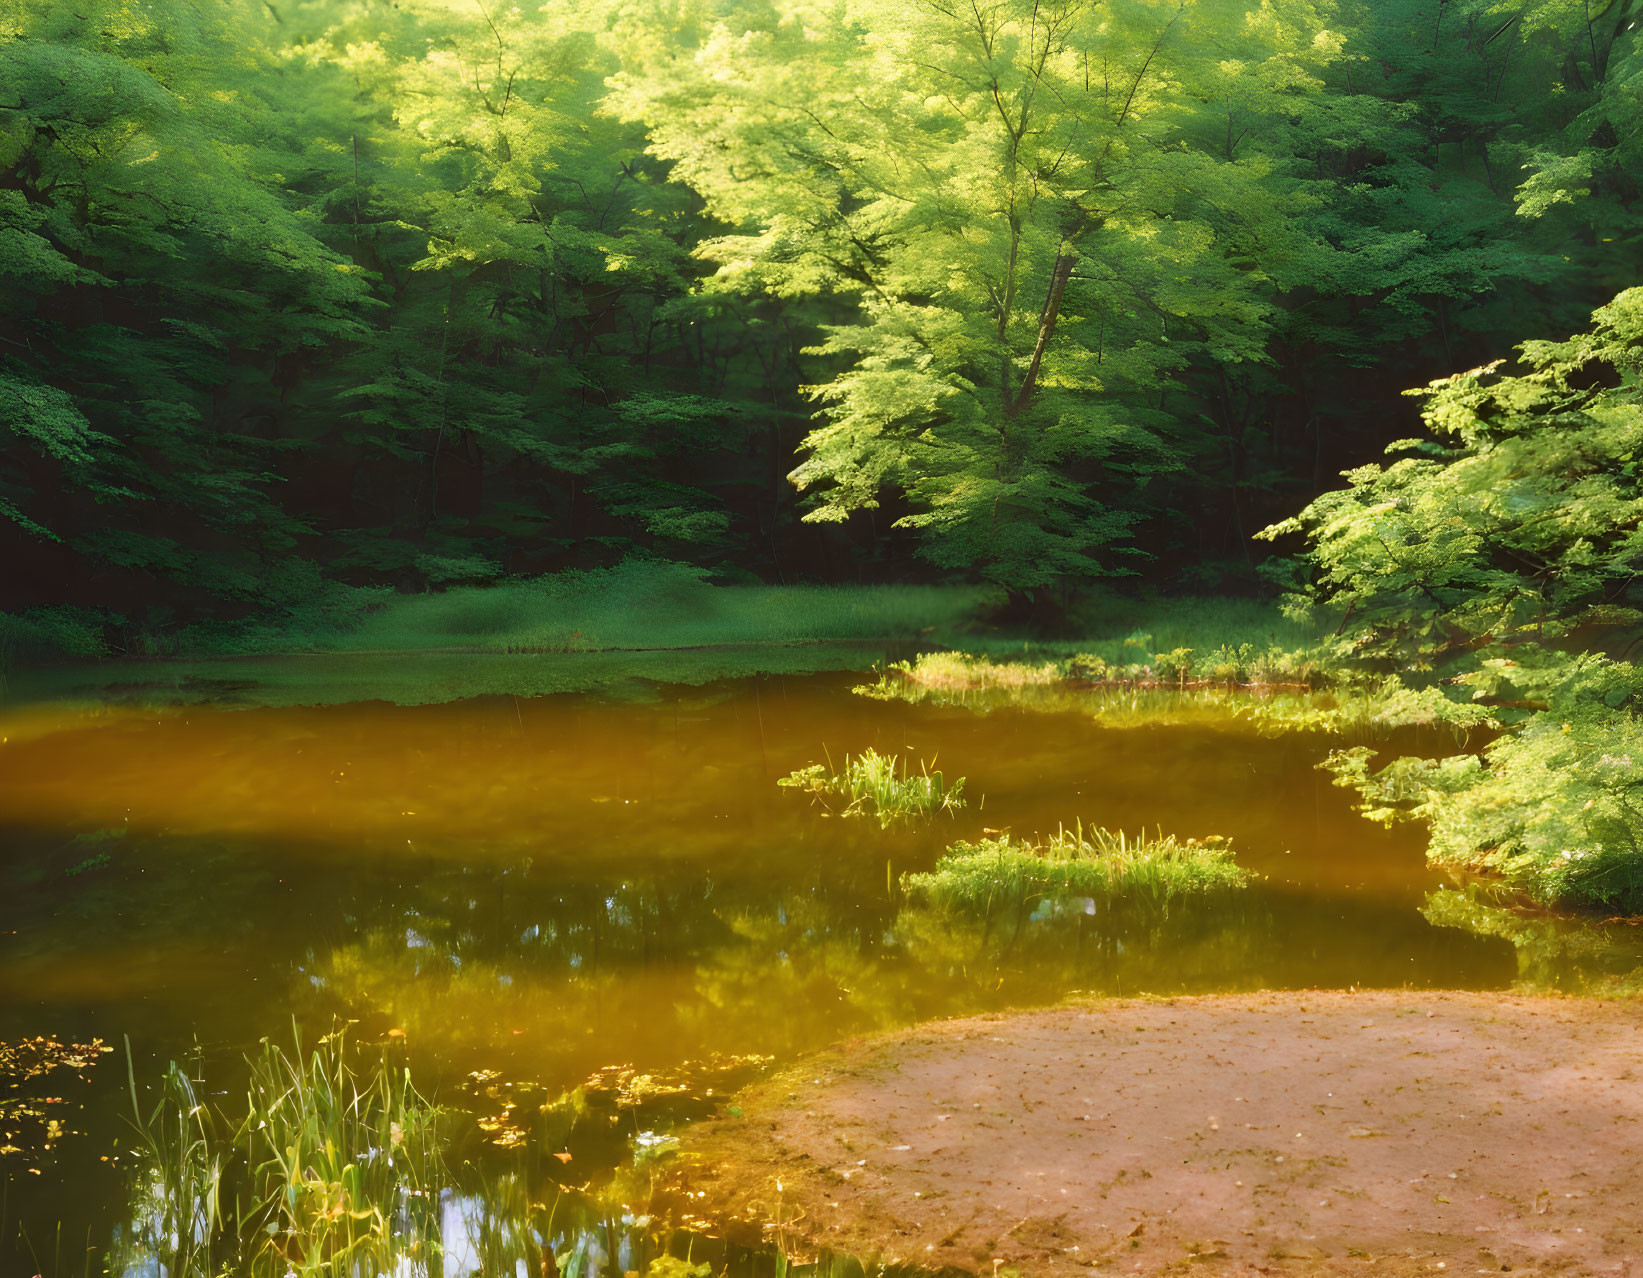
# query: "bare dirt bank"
1375,1132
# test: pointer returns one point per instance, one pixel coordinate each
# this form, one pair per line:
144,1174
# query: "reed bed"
328,1163
1226,666
334,1168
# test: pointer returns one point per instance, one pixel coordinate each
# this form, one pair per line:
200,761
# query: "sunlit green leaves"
1474,564
1528,514
1042,212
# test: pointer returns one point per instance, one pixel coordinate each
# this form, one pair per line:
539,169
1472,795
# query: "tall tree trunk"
1046,329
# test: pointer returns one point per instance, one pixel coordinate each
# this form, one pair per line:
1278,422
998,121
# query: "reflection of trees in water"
656,975
1040,949
552,979
1553,952
561,979
575,976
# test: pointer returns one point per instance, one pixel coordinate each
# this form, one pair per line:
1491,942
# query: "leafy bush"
1518,520
1554,808
41,634
1467,573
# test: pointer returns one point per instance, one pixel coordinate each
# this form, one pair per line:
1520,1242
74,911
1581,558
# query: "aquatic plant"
1091,865
1085,679
880,785
334,1167
1244,664
346,1160
177,1200
964,671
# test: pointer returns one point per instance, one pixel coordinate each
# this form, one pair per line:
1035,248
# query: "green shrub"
1553,806
1555,809
45,634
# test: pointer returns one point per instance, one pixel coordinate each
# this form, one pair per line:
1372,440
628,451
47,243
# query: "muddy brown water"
548,886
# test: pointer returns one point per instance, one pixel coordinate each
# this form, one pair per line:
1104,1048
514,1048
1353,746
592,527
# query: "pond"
529,895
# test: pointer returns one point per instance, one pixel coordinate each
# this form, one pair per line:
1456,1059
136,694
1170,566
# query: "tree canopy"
299,300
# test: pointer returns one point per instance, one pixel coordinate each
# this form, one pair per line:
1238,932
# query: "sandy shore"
1342,1132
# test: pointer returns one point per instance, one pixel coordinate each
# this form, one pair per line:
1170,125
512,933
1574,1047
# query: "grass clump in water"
964,672
880,785
335,1167
1094,866
1227,666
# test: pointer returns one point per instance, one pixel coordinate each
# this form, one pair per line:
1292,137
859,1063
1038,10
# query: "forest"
636,557
307,299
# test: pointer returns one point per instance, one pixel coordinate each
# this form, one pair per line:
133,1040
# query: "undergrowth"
49,634
639,604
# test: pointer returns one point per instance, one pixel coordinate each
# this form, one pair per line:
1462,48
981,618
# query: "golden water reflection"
535,890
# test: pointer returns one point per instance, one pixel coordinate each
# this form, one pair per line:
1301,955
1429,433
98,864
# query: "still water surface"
534,889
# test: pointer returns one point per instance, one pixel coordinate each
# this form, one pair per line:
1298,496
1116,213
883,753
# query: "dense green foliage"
301,307
1518,523
296,301
1476,567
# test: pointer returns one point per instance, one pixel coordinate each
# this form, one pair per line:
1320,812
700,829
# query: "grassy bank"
619,631
639,605
610,631
649,605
